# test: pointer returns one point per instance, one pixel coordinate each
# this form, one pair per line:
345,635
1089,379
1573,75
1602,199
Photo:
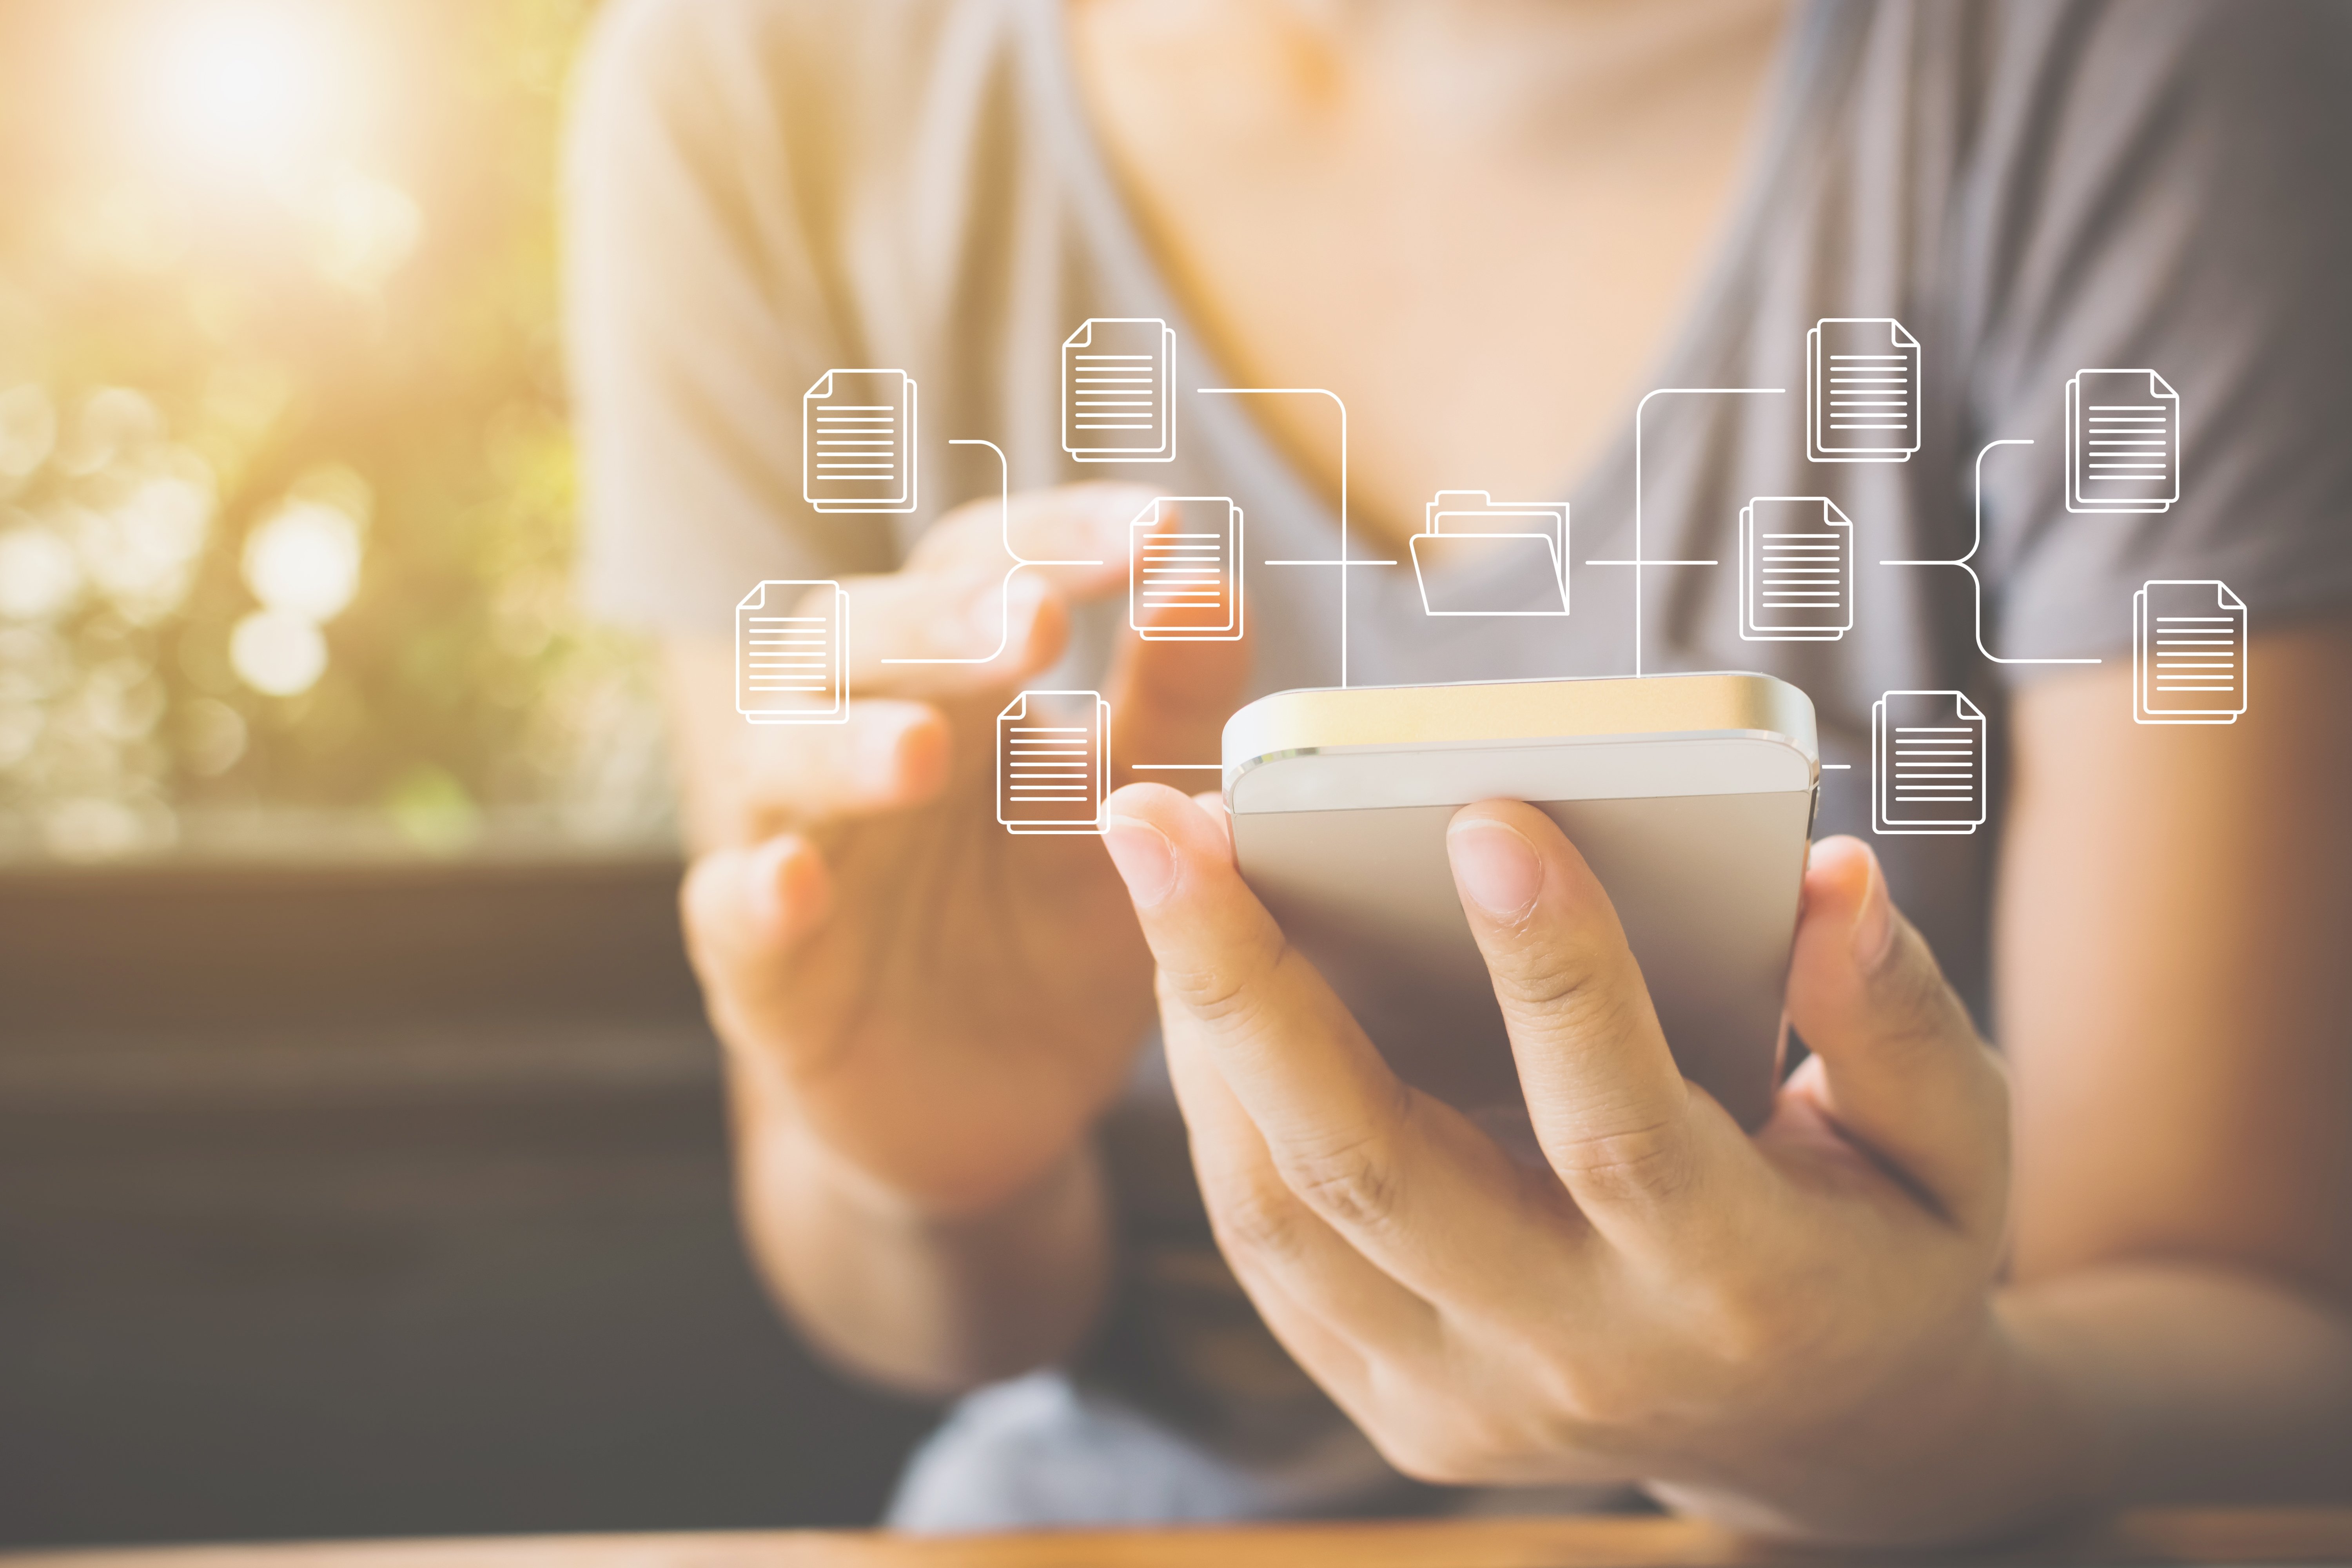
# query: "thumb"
1904,1073
1170,701
745,910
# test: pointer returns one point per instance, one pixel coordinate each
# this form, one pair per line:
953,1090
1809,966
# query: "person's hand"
940,1004
1786,1330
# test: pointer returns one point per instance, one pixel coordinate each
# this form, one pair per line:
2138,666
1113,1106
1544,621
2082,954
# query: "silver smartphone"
1691,797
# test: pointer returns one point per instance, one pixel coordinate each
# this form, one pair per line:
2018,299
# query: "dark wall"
383,1201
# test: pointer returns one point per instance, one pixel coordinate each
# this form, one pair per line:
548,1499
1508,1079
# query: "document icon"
1477,556
792,654
1862,391
2188,653
857,441
1796,570
1053,762
2122,441
1184,570
1926,764
1119,377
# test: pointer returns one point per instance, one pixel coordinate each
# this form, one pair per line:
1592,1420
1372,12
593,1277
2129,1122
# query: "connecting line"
1639,560
1978,582
1343,562
1005,592
1176,767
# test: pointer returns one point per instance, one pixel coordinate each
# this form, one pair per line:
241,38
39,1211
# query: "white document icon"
1053,762
857,441
1862,391
1926,764
2122,441
1479,556
792,654
1796,570
2188,653
1184,570
1118,381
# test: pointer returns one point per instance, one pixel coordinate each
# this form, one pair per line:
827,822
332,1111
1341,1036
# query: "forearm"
923,1303
2203,1384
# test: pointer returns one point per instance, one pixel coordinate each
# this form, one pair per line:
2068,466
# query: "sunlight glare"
244,88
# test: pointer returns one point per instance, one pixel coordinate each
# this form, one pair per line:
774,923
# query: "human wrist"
1973,1438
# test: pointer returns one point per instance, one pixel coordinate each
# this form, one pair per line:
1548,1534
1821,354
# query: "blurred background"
361,1161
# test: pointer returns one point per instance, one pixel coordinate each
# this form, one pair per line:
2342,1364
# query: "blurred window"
286,491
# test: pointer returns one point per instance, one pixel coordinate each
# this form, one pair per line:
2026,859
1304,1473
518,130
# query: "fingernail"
767,874
1874,921
1145,858
878,756
1495,865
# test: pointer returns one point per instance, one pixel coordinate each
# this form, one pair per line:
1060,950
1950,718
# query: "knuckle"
1227,993
1351,1180
1649,1159
1254,1216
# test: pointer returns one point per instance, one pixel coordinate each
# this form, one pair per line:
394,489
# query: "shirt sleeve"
2166,197
697,312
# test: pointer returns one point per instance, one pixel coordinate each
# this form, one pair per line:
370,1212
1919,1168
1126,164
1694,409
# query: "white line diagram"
1004,589
1862,391
857,441
1976,582
1638,561
2122,441
1344,560
1470,541
1184,570
792,653
2189,652
1053,762
1118,381
1796,570
1927,767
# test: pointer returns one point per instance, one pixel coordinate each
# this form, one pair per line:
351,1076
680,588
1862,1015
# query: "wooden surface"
2311,1536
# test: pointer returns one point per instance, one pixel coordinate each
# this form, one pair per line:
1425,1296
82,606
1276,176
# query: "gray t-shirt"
760,190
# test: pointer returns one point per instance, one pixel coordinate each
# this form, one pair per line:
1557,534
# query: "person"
1944,1294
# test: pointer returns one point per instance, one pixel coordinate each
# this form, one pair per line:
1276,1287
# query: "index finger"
1613,1113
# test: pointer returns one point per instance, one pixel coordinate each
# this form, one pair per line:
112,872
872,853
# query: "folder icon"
857,441
1479,556
1926,764
2122,441
2188,653
1118,381
1862,391
1053,762
1796,570
792,654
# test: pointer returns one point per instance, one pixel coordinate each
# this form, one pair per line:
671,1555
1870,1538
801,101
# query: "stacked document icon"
1926,764
1119,378
1184,570
1479,556
1053,762
2122,441
1862,391
857,441
1796,570
2188,653
791,649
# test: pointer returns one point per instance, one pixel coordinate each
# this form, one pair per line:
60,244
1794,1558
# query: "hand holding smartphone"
1691,797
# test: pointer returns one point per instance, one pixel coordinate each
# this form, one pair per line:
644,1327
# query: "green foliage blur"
286,492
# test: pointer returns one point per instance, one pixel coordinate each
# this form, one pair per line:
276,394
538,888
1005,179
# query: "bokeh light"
278,652
305,560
